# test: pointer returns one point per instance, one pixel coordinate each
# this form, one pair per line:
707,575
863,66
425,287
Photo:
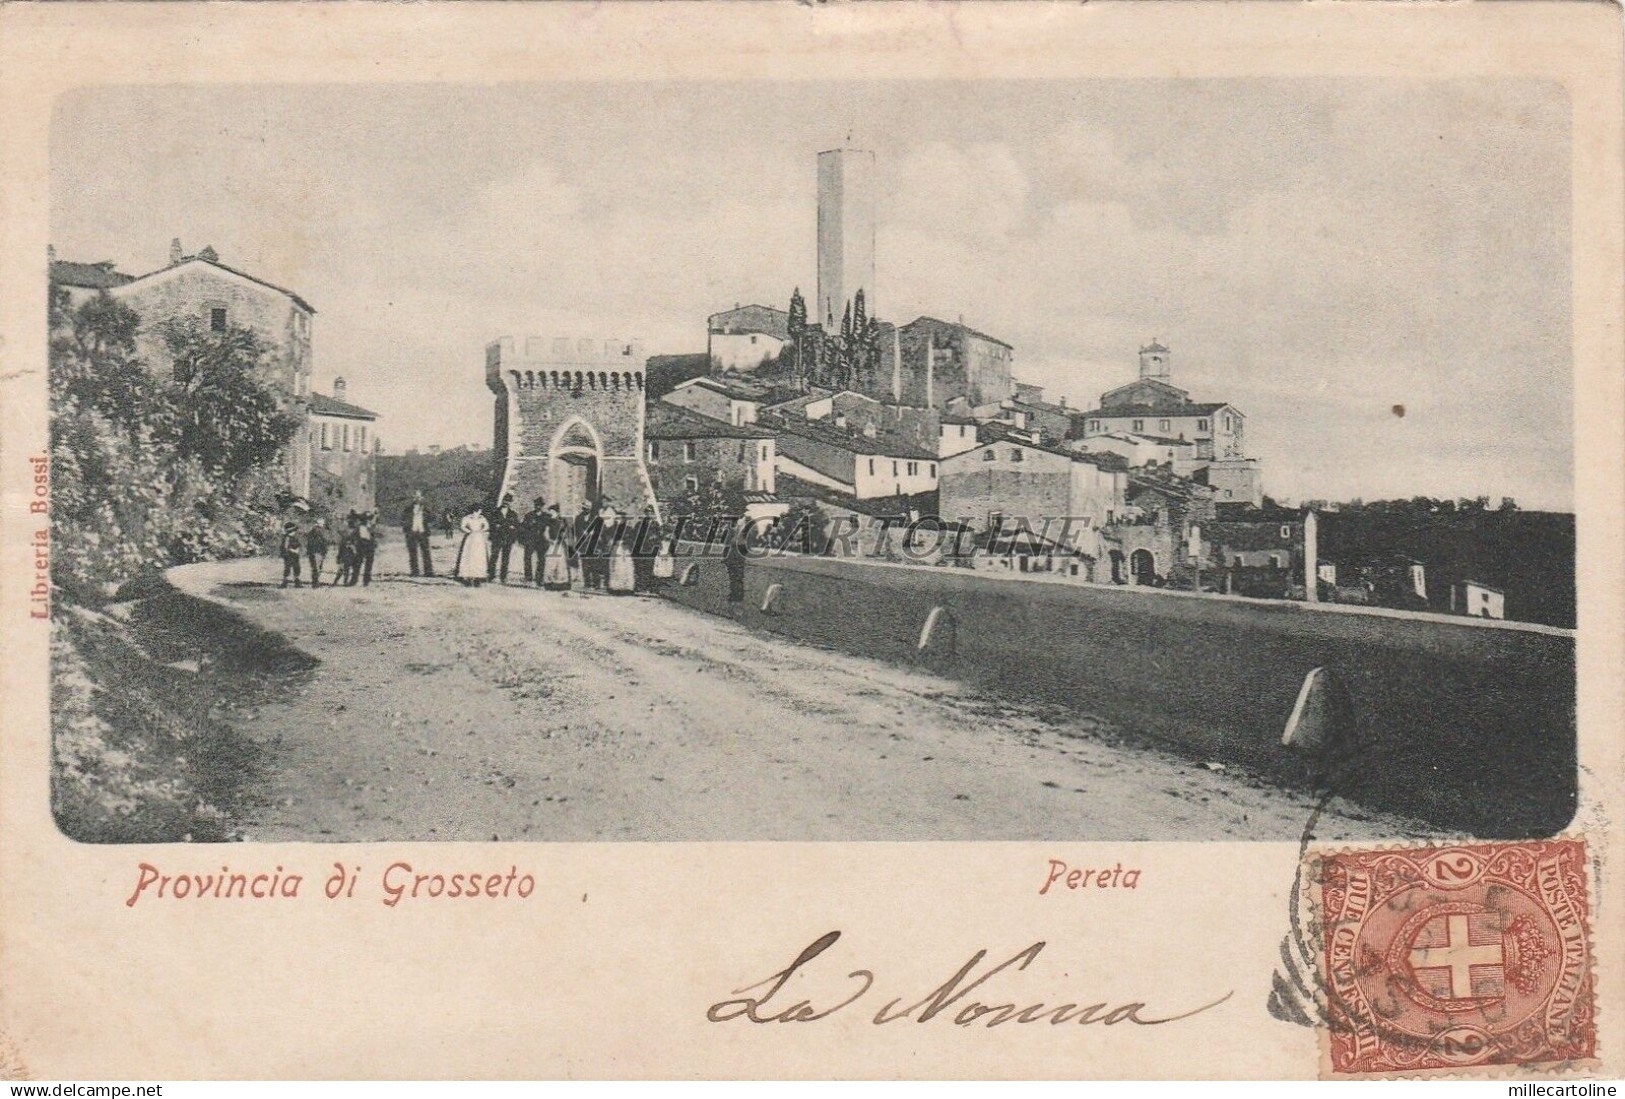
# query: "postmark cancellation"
1450,958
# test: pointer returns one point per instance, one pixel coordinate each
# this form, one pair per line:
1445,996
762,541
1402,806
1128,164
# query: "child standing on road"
347,552
366,546
290,553
316,550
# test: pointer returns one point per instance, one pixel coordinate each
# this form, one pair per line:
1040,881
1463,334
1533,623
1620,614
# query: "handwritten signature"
952,996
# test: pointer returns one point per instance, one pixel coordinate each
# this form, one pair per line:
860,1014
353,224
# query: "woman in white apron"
474,555
665,563
555,552
623,577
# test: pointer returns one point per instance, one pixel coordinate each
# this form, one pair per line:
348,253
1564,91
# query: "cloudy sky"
1316,252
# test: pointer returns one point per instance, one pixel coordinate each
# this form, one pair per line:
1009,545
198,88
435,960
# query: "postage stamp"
1446,958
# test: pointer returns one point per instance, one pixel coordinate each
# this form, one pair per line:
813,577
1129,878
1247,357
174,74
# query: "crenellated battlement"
569,419
566,363
573,379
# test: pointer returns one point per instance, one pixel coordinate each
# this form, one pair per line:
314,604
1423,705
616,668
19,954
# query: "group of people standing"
607,551
598,548
357,547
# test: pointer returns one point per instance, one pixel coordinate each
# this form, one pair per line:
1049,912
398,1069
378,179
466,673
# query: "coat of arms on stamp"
1446,958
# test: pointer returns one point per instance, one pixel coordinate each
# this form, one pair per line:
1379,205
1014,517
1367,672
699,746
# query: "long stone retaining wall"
1466,725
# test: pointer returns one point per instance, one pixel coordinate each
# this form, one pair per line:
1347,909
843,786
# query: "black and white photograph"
1093,459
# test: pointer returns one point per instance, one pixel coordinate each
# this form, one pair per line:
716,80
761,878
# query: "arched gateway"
569,422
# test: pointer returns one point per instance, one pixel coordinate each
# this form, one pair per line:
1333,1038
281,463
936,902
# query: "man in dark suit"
415,525
366,545
504,532
533,539
589,533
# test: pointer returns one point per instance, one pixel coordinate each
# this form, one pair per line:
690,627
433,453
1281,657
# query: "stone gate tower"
569,422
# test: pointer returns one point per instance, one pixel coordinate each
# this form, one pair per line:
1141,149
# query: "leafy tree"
226,418
147,473
804,528
704,506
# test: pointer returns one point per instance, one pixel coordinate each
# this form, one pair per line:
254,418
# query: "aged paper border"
608,970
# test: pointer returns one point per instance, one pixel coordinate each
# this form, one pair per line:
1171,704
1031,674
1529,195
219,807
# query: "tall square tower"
846,232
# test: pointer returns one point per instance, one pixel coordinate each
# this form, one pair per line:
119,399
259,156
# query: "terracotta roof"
763,319
741,389
1173,392
662,373
297,300
881,445
88,276
667,421
966,329
1042,406
792,487
800,401
1186,409
323,405
1107,460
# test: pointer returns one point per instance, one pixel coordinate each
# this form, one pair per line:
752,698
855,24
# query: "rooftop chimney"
338,389
175,252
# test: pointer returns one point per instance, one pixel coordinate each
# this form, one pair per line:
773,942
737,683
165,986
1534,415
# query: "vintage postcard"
1024,541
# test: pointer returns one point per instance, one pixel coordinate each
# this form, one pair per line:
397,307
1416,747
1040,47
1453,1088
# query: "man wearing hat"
415,525
504,531
533,539
366,545
290,553
316,550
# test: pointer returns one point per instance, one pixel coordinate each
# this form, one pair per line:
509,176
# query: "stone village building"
684,450
569,420
343,451
745,337
1153,407
200,287
863,464
998,483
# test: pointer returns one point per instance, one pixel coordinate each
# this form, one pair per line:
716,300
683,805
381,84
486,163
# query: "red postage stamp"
1447,958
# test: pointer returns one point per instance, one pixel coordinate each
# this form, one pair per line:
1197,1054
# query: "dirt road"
443,712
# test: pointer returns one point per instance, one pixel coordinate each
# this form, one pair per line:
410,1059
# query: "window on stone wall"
742,457
688,452
933,469
327,443
217,318
1016,455
361,439
1162,425
1139,425
988,455
692,484
654,450
346,436
1201,425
